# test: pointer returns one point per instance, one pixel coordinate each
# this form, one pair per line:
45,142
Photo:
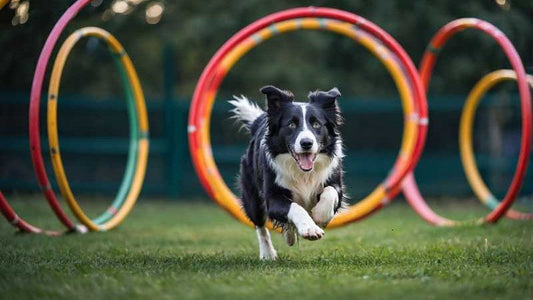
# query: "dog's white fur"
304,224
324,210
305,186
266,249
245,110
305,133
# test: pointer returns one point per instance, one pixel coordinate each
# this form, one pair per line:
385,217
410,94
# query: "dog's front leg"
281,208
304,224
324,210
288,211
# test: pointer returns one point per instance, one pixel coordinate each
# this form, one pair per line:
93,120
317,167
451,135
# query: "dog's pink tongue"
305,160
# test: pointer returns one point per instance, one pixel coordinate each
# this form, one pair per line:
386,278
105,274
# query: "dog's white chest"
304,186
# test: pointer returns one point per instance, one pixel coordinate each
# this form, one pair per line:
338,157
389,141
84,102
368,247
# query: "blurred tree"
301,61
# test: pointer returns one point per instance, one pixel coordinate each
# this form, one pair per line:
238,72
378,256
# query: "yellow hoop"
142,119
465,136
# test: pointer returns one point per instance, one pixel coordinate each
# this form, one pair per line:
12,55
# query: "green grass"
173,250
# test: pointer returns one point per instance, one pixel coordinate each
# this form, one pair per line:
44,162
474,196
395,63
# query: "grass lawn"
177,250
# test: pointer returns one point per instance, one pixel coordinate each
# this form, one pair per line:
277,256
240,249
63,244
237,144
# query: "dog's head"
303,129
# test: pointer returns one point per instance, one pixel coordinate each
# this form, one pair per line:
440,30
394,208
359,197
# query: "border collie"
292,169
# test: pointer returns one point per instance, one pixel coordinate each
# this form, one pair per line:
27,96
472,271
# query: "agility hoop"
35,139
410,187
138,150
362,31
35,142
466,126
13,219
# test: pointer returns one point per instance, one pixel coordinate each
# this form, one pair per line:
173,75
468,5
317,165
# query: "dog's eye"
315,125
292,125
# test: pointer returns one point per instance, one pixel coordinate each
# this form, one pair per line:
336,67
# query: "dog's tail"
245,111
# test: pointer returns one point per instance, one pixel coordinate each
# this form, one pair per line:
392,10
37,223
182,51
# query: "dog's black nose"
306,143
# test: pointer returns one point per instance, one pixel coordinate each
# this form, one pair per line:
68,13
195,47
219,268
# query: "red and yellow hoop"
410,187
466,125
111,219
350,25
35,139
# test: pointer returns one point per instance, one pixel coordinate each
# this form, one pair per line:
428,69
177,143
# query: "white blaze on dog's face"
302,129
306,145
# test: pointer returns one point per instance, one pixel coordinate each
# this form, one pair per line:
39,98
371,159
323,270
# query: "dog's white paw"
268,254
310,232
304,223
266,249
290,236
324,210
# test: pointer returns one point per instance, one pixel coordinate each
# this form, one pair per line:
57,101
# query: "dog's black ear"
328,102
275,97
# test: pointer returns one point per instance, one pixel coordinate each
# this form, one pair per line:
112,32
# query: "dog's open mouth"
305,160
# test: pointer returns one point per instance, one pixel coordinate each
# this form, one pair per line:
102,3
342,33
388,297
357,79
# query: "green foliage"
169,250
301,61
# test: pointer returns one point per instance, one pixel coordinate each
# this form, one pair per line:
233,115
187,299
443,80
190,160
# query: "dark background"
170,55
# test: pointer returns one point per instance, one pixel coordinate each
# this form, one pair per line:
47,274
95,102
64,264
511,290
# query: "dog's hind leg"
253,205
255,209
266,249
290,235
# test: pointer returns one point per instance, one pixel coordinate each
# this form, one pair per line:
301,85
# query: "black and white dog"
292,169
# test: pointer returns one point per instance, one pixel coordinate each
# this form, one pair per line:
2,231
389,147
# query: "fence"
94,144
